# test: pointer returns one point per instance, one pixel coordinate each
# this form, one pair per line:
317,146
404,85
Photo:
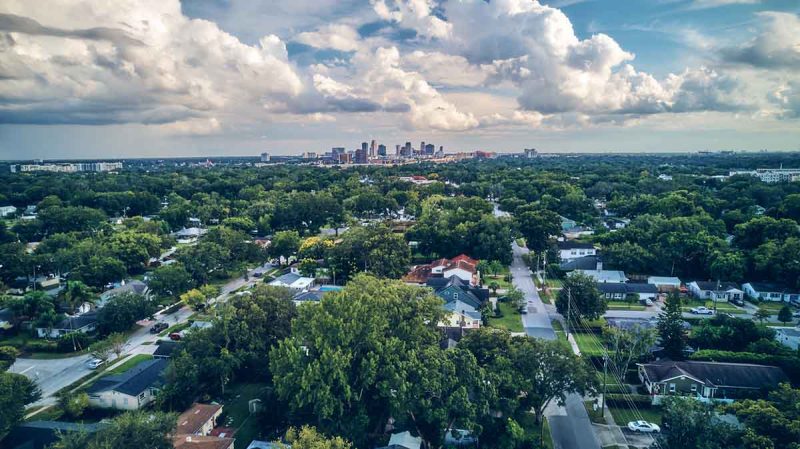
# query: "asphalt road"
54,374
570,426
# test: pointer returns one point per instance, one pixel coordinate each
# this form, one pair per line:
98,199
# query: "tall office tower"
397,150
430,148
381,150
364,146
265,157
361,156
407,150
372,148
336,151
422,147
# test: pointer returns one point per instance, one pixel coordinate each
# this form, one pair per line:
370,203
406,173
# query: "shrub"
624,400
71,342
41,346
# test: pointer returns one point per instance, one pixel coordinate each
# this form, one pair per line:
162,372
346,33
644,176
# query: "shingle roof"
41,434
641,287
611,288
739,375
192,420
134,381
712,286
573,244
166,348
200,442
309,296
771,288
77,322
580,263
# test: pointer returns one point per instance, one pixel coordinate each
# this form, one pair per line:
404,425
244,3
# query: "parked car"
158,327
643,426
702,311
93,363
176,336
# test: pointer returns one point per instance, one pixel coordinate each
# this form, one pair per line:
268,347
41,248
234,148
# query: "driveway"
570,426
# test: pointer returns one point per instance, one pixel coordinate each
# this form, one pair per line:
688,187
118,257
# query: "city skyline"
214,78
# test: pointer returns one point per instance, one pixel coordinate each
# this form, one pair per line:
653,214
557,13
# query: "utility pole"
569,308
714,296
605,366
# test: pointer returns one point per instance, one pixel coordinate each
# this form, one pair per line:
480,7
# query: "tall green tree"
670,327
16,391
581,291
537,227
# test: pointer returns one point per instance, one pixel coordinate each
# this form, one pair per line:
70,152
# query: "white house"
293,281
716,291
78,323
571,249
130,390
461,314
5,211
771,292
788,336
665,283
199,419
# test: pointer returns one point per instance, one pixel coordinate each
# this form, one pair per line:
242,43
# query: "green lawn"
589,344
721,307
772,306
560,334
554,283
622,416
622,305
502,283
237,414
174,328
511,320
129,363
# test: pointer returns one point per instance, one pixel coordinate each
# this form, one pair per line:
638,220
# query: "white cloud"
777,45
415,14
336,36
706,4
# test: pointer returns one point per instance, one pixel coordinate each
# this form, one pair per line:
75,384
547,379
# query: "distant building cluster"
772,174
376,153
68,168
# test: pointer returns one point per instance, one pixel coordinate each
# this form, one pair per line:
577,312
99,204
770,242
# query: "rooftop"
573,244
192,420
738,375
134,381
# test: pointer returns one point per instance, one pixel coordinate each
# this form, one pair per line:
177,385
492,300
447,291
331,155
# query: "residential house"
788,336
189,235
571,249
614,223
771,292
78,323
403,440
42,434
293,281
312,296
665,284
130,390
605,276
581,263
258,444
708,380
461,315
614,291
199,419
716,291
134,287
567,224
462,266
5,211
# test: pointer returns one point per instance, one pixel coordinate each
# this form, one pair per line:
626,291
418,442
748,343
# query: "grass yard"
721,307
554,283
772,306
511,319
622,416
589,344
622,305
174,328
129,363
502,283
237,414
535,432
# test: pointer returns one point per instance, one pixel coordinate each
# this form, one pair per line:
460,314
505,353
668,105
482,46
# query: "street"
570,426
52,375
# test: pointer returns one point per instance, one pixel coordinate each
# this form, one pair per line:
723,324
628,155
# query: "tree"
8,355
627,346
309,438
374,249
516,298
537,227
762,314
631,299
73,404
16,391
122,311
494,285
693,425
785,314
130,430
170,280
670,327
117,342
581,290
101,350
181,383
76,293
285,243
356,352
195,299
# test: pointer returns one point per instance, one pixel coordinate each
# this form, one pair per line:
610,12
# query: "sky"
160,78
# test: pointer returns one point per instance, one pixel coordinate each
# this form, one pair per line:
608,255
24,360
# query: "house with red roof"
461,266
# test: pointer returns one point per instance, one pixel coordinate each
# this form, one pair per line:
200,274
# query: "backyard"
237,414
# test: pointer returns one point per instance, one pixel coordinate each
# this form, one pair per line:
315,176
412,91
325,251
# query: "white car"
93,363
702,311
643,426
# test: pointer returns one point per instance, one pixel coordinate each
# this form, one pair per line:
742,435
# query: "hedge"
789,364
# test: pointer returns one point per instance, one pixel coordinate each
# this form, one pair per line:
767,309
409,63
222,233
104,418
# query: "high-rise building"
381,150
265,157
407,151
397,150
364,146
336,151
361,155
372,148
430,149
422,147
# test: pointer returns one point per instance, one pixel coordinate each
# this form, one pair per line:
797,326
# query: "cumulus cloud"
777,44
414,14
336,36
130,61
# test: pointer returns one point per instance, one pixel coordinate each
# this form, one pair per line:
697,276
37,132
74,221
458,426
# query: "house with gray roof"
293,281
79,323
130,390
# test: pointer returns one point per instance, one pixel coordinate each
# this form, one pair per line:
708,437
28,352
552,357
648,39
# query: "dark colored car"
158,327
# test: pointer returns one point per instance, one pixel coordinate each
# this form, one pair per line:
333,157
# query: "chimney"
599,264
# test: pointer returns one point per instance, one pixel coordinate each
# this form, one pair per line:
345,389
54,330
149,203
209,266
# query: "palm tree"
76,294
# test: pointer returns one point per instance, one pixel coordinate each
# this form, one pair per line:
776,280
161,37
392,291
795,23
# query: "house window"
455,296
141,395
694,388
672,388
